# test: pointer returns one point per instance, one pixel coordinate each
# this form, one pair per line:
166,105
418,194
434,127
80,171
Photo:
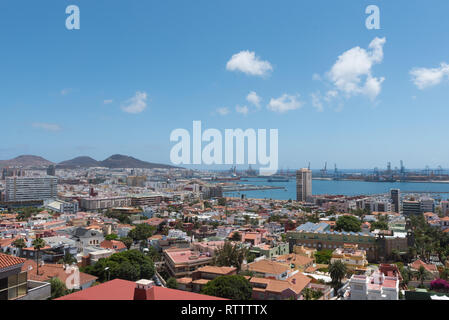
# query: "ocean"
338,187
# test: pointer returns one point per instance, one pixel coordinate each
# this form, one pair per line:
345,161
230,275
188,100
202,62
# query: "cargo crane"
324,170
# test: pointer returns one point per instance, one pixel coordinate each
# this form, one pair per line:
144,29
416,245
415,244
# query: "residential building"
31,188
182,262
395,195
352,257
303,185
14,283
374,287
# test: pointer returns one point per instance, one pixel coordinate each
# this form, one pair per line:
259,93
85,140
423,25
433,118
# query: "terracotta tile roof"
296,259
217,270
429,267
9,261
267,266
49,271
113,244
118,289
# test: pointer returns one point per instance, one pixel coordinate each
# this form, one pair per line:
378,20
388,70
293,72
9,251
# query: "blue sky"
65,93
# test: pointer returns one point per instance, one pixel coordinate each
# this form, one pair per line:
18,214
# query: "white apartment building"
31,188
374,287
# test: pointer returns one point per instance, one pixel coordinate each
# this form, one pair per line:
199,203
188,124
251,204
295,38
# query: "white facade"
31,188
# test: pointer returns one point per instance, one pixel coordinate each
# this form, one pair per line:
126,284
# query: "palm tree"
337,271
19,244
421,275
38,244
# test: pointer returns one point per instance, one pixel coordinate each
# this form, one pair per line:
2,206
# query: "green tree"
222,202
233,287
58,288
127,241
230,255
337,271
67,259
38,244
19,244
111,236
348,224
172,283
141,232
236,236
128,265
421,275
323,256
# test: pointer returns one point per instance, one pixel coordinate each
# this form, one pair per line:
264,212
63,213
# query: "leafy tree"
141,232
19,244
129,265
233,287
127,241
348,224
111,236
323,256
38,244
337,271
58,288
381,225
230,255
222,202
236,236
172,283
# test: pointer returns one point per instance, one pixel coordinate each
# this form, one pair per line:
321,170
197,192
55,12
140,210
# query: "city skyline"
115,88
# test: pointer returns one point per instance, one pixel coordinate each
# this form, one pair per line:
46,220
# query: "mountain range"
114,161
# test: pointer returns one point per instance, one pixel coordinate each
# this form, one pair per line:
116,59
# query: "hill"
79,162
24,161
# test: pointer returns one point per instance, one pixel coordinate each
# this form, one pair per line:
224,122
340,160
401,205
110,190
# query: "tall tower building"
303,184
395,195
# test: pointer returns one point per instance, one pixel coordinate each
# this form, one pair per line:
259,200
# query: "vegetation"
428,241
38,244
337,271
172,283
348,224
127,265
141,232
323,256
234,287
67,259
58,288
127,241
230,255
111,236
310,294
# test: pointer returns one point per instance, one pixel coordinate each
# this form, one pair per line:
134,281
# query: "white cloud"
254,99
316,101
47,126
223,111
352,73
243,110
66,91
284,103
108,101
136,104
247,62
428,77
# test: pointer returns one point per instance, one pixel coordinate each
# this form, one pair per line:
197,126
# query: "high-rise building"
395,195
31,188
51,170
411,207
303,185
